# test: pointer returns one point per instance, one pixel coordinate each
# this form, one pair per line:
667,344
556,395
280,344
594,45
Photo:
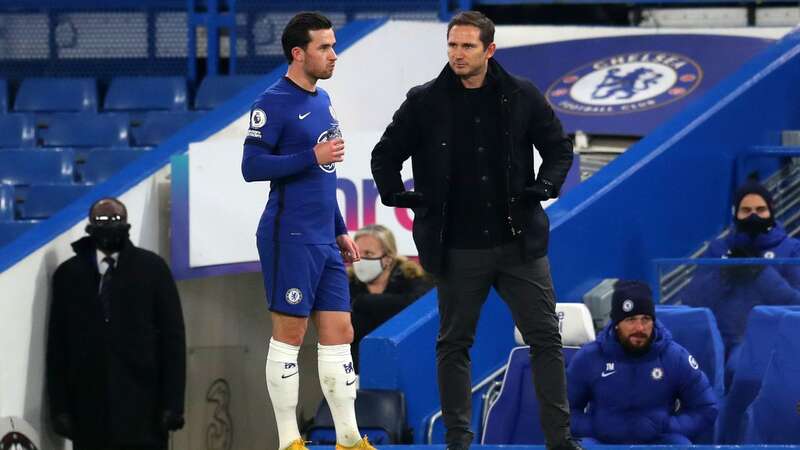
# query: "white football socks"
283,385
338,381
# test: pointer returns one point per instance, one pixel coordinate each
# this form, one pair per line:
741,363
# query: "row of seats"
62,166
123,94
37,202
148,129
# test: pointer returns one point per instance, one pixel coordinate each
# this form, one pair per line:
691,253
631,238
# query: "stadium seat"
85,130
216,90
25,167
146,93
380,414
17,131
696,330
774,416
6,203
158,126
102,164
57,95
513,418
3,96
42,201
11,230
759,341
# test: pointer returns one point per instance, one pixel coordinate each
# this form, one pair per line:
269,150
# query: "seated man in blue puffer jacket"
732,291
634,384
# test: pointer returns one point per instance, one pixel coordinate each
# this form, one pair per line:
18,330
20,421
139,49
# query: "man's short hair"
475,19
296,33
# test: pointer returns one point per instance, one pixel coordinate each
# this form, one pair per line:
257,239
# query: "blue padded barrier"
513,418
17,131
216,90
11,230
102,164
6,203
25,167
44,200
146,93
57,94
85,130
759,340
3,96
157,126
774,415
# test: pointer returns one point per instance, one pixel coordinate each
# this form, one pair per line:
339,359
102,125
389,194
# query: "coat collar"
447,79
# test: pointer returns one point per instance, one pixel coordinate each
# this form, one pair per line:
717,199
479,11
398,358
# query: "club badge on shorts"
294,296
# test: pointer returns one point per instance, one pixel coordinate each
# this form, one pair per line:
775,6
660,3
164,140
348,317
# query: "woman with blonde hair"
382,283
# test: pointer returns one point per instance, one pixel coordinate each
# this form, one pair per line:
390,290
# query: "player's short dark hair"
476,19
296,33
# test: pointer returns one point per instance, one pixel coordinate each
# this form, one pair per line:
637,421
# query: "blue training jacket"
619,399
732,299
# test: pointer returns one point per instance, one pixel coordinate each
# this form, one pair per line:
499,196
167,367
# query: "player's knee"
292,335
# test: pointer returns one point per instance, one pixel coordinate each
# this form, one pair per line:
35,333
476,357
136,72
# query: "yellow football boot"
363,444
297,444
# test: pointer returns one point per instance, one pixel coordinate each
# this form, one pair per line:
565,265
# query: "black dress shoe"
571,444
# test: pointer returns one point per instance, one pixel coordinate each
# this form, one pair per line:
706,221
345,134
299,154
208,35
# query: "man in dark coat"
623,387
478,222
116,357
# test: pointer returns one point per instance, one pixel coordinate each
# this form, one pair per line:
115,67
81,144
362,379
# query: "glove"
742,273
62,424
171,421
540,191
408,199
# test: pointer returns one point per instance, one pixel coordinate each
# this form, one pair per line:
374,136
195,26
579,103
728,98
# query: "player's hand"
329,151
348,248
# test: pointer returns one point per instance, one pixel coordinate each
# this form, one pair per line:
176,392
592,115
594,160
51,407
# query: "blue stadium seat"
6,203
85,130
381,414
102,164
25,167
11,230
3,96
146,93
44,200
215,91
696,330
57,94
513,418
759,340
774,416
17,131
157,126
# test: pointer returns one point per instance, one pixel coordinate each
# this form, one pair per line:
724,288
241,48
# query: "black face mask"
109,238
754,225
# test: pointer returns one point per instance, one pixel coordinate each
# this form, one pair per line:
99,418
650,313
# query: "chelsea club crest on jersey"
625,83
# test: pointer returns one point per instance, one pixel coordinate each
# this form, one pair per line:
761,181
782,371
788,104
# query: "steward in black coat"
116,381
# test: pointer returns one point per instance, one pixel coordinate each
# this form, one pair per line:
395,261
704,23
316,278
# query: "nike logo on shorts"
303,116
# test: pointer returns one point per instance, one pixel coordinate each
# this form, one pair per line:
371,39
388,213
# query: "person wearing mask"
624,387
116,350
382,283
732,291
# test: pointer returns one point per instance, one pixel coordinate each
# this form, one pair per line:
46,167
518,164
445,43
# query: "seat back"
774,415
759,341
17,131
43,200
574,324
85,130
12,230
102,164
3,96
57,95
380,414
6,203
216,90
41,166
146,93
513,418
157,126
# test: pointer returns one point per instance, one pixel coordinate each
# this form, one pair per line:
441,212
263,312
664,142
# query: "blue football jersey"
286,122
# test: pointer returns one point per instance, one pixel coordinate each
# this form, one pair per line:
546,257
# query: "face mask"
753,224
367,269
109,238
